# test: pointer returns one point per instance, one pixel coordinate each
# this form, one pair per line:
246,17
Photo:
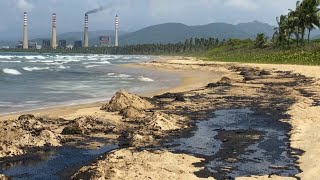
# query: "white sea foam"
12,61
123,75
96,62
91,66
35,68
5,57
145,79
41,61
111,74
63,67
11,71
34,57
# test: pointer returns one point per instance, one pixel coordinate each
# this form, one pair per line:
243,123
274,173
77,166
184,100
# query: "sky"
133,14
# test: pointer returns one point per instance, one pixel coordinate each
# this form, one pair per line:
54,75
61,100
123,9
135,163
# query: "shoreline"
186,79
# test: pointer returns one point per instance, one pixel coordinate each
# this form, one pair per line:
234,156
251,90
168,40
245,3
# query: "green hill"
176,32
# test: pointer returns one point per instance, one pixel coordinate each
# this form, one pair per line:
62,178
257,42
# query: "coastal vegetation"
290,43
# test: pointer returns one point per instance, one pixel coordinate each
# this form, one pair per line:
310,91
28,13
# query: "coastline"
303,112
188,81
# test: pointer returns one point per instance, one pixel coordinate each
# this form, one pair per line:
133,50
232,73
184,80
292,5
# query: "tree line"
296,26
190,45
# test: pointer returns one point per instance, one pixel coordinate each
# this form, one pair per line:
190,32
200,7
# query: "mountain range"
176,32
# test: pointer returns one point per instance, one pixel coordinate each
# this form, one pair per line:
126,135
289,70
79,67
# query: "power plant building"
104,41
20,45
46,44
62,44
77,44
33,45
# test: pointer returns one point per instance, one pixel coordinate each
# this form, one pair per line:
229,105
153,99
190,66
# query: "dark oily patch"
240,142
49,163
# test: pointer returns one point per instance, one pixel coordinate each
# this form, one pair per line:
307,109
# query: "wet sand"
290,99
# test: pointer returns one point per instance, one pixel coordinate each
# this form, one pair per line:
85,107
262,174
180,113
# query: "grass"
244,51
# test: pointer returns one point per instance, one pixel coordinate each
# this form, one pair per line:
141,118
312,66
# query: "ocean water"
31,81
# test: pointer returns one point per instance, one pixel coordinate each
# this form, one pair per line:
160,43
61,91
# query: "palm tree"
281,31
311,15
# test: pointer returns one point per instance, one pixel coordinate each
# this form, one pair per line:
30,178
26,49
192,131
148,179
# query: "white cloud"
24,5
242,4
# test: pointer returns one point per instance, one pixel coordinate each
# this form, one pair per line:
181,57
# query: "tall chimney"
54,31
116,42
86,27
25,31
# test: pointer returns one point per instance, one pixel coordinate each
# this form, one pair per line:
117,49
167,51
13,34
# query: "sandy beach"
286,94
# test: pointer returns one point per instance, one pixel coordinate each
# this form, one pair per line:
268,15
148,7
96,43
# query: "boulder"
123,100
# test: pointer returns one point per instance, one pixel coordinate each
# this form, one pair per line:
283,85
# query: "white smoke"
24,5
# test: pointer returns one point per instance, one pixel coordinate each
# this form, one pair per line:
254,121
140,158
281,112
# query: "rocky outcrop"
123,100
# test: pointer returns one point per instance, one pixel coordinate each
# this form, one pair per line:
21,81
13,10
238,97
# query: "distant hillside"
176,32
256,27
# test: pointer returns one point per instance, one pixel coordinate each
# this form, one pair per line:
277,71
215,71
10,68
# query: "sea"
31,81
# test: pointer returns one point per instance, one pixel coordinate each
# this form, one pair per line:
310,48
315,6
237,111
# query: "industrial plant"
104,40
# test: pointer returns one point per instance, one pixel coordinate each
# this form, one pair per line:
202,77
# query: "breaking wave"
145,79
35,68
11,71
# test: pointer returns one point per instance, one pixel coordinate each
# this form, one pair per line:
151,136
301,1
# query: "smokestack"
25,31
54,31
116,42
86,33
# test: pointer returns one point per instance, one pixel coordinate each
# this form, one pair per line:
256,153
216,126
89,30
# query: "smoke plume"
96,10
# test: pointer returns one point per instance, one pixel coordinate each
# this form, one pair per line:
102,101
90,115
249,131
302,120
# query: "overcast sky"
133,14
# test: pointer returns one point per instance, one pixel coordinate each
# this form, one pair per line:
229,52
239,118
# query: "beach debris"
224,81
123,99
85,126
175,96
